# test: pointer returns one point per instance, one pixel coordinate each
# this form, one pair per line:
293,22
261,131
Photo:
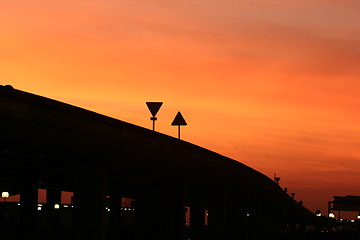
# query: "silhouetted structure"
58,147
346,203
179,121
154,108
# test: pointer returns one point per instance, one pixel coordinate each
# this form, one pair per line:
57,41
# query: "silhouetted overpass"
58,147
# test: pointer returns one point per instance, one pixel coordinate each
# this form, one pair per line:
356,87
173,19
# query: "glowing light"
318,213
5,194
56,206
331,215
39,208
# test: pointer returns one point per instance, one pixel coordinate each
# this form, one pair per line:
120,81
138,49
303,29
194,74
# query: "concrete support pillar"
240,214
173,211
273,220
197,218
147,213
89,203
292,225
235,216
254,217
115,215
216,224
160,212
53,196
28,209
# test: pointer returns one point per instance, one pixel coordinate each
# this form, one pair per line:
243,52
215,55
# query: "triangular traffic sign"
179,120
154,107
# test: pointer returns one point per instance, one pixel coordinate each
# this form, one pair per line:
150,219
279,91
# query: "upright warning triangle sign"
154,107
179,120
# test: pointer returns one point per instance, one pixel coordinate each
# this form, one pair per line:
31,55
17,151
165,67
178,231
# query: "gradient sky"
272,84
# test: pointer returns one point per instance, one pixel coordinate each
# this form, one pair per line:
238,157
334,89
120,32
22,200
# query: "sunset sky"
272,84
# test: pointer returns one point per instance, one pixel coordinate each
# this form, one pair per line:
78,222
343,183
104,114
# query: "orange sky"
273,84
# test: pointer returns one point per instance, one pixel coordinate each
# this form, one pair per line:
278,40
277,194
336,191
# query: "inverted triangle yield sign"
154,107
179,120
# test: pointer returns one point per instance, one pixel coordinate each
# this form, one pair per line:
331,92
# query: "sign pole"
153,119
179,121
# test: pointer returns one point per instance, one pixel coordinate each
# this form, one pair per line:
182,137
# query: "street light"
318,213
331,215
5,195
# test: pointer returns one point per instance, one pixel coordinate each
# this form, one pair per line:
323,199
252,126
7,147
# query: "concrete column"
236,215
115,214
254,217
160,212
216,218
89,203
173,211
28,209
273,220
53,196
147,213
197,217
247,215
292,225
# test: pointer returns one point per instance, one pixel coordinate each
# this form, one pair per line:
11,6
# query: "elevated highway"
51,145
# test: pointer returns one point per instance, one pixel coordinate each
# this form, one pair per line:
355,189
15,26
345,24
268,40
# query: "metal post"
5,213
153,119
